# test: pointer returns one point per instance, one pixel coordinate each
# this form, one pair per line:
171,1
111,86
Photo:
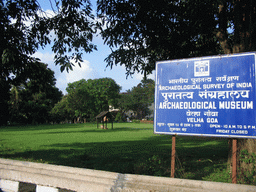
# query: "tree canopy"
138,99
25,27
142,32
138,32
87,98
32,101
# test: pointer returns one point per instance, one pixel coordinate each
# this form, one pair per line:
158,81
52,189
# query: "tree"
14,104
79,99
106,92
241,16
87,98
142,32
32,101
61,111
139,98
24,27
142,97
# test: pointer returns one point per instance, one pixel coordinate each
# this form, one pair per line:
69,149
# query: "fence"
28,177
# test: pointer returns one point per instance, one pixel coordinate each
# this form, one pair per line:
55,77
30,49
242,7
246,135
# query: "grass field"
128,148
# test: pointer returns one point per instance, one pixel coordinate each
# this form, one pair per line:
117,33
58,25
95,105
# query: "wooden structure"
104,117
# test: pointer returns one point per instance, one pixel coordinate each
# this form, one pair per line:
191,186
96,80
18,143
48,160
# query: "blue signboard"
208,96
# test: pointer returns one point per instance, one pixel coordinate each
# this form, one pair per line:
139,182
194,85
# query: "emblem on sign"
202,68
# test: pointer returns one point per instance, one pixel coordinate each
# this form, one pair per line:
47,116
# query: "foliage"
219,175
87,98
61,111
154,165
32,101
120,117
138,32
136,121
247,174
139,98
106,92
25,27
142,32
79,100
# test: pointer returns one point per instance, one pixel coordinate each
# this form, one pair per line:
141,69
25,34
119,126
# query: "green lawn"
128,148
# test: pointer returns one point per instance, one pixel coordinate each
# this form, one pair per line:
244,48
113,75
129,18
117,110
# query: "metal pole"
173,156
234,160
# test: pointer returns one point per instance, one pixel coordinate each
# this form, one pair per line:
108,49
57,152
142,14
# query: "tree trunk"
244,18
245,168
222,33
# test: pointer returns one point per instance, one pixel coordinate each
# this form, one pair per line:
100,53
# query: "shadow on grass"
196,157
73,128
122,129
44,127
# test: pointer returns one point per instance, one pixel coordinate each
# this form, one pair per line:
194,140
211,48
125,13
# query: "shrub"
120,117
247,172
136,121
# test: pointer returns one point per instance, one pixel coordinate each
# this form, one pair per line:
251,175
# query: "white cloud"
140,76
49,13
78,73
45,57
86,71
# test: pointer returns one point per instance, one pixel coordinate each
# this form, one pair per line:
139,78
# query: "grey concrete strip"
60,174
162,184
73,170
52,181
77,179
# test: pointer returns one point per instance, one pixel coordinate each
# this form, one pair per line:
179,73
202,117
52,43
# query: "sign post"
207,96
234,160
173,156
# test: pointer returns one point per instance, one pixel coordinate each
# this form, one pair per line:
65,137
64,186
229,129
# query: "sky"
93,67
